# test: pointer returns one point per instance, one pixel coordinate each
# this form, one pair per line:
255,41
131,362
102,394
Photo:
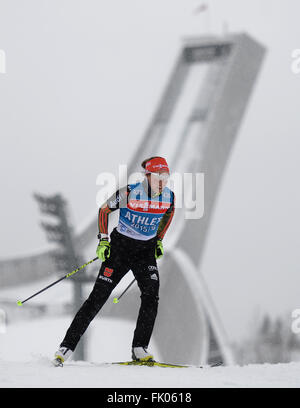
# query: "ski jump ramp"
194,126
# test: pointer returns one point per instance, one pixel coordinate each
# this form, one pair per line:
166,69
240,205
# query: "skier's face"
158,181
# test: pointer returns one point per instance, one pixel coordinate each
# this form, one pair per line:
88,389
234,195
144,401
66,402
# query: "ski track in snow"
26,363
40,373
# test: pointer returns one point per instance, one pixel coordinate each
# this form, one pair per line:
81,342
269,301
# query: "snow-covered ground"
28,345
39,373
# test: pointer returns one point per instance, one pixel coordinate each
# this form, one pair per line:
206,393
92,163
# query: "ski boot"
62,354
141,354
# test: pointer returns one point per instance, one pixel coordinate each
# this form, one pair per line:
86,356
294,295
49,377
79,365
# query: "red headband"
156,165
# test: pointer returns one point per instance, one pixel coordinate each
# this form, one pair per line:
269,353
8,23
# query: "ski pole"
20,303
116,300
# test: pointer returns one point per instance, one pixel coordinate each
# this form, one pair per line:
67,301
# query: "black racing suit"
126,254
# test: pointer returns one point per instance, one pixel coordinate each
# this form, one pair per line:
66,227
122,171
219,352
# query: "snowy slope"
39,373
28,346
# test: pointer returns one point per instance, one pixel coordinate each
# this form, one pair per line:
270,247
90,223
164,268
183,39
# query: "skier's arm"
117,200
166,221
103,220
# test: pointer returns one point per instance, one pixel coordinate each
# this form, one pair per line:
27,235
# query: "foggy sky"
83,79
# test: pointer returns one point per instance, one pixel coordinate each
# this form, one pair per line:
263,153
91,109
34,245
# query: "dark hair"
143,164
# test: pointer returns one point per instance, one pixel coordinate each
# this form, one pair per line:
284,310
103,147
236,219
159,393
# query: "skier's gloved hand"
159,249
103,250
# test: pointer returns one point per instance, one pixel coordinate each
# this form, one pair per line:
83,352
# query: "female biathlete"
146,211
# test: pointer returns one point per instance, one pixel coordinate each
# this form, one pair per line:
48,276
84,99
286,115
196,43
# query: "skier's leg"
147,278
110,274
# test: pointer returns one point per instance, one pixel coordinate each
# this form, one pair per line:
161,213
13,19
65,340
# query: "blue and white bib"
140,217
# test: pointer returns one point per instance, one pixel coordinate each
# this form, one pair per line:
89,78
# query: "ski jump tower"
195,123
